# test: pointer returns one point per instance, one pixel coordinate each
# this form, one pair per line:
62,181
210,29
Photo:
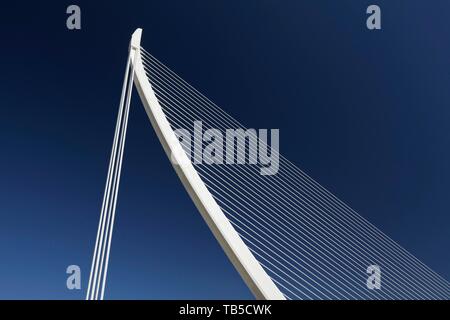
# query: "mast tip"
136,39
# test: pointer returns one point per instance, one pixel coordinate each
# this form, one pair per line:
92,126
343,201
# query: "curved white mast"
243,260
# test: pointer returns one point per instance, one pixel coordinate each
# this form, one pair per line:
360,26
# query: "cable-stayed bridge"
287,236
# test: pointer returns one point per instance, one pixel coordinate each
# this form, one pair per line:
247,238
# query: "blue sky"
364,113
